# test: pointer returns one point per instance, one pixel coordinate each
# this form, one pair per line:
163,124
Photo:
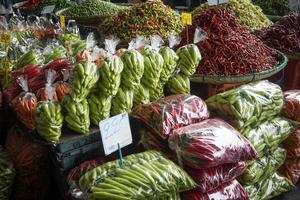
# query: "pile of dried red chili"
284,35
229,48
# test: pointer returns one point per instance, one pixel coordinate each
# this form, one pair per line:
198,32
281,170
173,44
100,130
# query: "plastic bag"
141,95
26,104
211,178
122,102
248,104
99,108
54,52
172,112
179,84
144,175
267,136
133,65
7,175
269,188
291,106
210,143
62,88
292,144
42,94
231,190
291,170
263,168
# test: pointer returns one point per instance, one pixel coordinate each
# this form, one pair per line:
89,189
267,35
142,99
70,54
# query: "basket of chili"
223,79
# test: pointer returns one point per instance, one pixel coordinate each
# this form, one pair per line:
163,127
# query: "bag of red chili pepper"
291,170
231,191
292,144
291,105
172,112
210,143
211,178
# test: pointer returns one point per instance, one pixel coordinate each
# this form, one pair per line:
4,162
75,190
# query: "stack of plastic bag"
291,110
254,110
214,154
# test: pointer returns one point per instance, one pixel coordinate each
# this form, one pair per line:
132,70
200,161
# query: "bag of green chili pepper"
147,175
7,175
270,187
247,105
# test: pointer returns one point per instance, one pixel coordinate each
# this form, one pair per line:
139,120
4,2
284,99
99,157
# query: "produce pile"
146,19
274,7
227,47
248,14
284,35
89,8
179,127
7,175
254,110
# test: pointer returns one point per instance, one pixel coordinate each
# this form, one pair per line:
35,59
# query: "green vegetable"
122,102
89,8
72,43
31,57
274,7
7,175
146,175
110,75
179,84
49,120
269,188
77,115
133,69
189,58
245,11
150,18
170,63
99,108
141,95
56,53
84,77
247,105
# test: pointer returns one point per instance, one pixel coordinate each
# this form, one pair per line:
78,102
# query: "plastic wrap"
189,58
42,94
248,104
62,87
210,143
292,144
122,102
230,191
144,175
99,108
53,52
141,95
291,170
179,84
172,112
267,136
291,105
7,175
263,168
25,104
269,188
211,178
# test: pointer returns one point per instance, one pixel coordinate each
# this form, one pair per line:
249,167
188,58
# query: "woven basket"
222,79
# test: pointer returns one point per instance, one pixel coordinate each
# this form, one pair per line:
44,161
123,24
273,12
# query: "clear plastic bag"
172,112
230,191
210,143
292,144
62,87
146,175
291,170
291,105
7,175
263,168
245,106
42,94
269,188
211,178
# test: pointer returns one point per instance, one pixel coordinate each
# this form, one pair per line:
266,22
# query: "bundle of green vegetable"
245,11
7,175
274,7
99,107
248,104
77,115
179,84
84,77
146,175
141,95
146,19
122,102
269,188
89,8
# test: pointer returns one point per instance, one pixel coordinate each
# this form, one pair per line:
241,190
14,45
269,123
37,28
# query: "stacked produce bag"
254,110
291,109
180,133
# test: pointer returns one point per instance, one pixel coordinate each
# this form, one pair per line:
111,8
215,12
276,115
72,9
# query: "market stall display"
248,14
146,19
274,7
7,175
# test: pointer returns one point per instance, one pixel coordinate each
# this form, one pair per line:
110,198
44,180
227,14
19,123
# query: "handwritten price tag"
186,18
216,2
48,9
62,21
115,130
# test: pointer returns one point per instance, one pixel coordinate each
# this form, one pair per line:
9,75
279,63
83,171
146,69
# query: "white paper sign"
48,9
216,2
115,130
